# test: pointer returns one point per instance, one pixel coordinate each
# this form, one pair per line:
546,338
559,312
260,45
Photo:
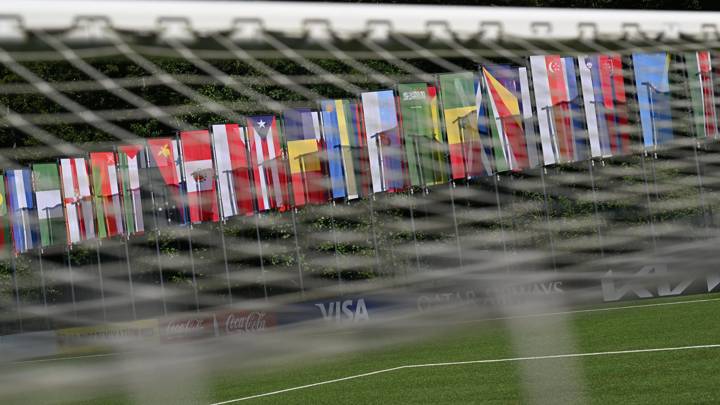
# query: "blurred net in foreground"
515,201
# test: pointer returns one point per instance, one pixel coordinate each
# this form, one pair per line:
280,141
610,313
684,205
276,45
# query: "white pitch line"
458,363
85,356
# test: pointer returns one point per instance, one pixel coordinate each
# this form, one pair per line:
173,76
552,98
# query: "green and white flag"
423,151
51,218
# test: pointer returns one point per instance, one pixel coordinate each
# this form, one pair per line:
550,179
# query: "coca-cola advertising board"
240,322
188,328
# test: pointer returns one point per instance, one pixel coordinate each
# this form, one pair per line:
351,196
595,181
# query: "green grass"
689,376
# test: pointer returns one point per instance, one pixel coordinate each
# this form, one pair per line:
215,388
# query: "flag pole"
100,273
256,208
72,281
43,288
191,254
124,171
157,232
221,210
18,306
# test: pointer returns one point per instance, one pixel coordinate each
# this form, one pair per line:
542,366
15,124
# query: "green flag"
51,217
5,236
421,146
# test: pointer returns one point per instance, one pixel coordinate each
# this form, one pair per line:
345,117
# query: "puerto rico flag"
233,171
77,198
385,150
557,103
304,146
199,176
21,205
268,163
108,206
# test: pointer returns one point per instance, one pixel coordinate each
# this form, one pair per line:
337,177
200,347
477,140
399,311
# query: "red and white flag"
233,171
77,199
108,207
199,176
268,163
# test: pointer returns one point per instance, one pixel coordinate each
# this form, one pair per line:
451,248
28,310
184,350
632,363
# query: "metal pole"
18,307
547,219
260,252
72,282
43,288
102,287
130,280
297,252
157,237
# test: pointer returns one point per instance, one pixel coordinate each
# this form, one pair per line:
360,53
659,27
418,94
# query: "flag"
460,99
48,197
383,140
702,93
77,199
653,92
304,146
502,84
106,192
131,159
5,234
557,102
267,162
421,132
164,179
440,147
345,148
231,165
199,176
603,90
21,204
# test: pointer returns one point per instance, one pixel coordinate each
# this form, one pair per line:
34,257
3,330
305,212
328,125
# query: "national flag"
557,102
304,146
267,160
106,192
48,197
5,234
383,138
603,89
652,82
18,185
232,168
345,147
702,93
440,147
199,176
502,84
165,181
420,134
77,199
132,160
460,99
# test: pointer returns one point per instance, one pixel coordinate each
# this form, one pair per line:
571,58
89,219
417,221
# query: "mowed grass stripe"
471,362
647,326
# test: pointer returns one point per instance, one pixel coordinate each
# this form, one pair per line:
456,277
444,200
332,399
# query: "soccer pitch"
651,351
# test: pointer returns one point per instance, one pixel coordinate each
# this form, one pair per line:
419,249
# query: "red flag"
199,176
267,161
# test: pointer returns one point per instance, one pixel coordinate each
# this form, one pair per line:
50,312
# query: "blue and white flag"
21,205
383,138
653,92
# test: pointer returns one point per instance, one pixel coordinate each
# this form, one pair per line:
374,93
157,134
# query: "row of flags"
465,125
